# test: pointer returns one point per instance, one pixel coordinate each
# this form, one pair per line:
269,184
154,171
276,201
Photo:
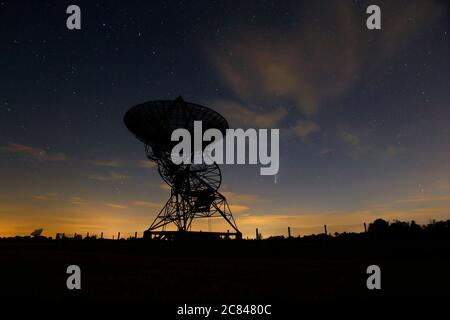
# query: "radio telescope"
193,187
37,233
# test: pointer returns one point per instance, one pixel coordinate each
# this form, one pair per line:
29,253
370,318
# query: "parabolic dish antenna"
194,187
37,232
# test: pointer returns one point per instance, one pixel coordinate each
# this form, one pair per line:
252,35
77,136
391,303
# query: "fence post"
118,236
101,236
289,232
365,227
325,227
257,234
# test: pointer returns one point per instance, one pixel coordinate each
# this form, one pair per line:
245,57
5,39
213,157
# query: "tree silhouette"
379,226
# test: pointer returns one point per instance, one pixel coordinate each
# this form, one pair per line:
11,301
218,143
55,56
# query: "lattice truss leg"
181,210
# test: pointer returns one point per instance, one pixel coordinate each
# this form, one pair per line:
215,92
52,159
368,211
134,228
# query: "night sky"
363,115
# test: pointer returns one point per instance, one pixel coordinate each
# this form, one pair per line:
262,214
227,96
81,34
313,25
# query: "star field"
363,115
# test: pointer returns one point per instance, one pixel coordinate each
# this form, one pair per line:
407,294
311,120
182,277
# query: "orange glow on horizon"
127,219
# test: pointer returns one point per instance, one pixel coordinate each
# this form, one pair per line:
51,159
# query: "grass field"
225,271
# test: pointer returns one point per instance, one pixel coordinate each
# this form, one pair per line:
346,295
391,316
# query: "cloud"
319,56
442,185
77,201
238,202
395,150
351,139
242,202
243,198
326,151
110,177
244,116
305,66
147,164
116,206
235,208
51,196
303,129
147,204
164,186
357,145
403,27
424,199
116,163
34,153
362,144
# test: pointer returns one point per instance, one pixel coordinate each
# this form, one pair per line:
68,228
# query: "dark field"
267,271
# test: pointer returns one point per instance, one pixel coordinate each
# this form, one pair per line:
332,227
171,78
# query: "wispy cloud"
51,196
295,67
306,65
244,198
356,142
109,177
361,144
147,164
236,208
34,153
351,138
164,186
77,201
395,150
116,206
147,204
244,116
326,151
243,202
425,199
303,129
442,185
115,163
